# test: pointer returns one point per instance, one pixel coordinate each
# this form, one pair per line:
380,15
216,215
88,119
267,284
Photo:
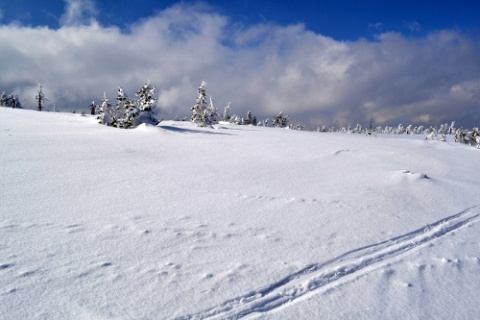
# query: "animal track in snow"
351,264
270,198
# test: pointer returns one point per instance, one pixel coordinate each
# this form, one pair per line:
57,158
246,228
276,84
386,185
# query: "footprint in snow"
6,266
74,228
27,274
10,291
336,153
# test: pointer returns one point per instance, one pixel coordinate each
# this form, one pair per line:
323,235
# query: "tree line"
129,113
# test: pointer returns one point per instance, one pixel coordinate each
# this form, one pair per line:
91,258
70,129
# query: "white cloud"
467,91
264,68
377,26
413,26
78,12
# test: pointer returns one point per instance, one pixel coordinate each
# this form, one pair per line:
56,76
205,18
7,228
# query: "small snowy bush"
10,101
470,137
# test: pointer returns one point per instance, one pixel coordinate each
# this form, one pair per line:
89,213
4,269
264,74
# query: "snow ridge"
352,264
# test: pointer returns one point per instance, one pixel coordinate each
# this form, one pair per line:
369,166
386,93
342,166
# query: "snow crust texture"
320,275
234,222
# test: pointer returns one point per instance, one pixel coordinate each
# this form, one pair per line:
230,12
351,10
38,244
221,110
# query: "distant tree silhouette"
40,97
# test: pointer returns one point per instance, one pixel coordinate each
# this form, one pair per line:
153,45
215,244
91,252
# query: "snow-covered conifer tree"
131,116
40,97
120,107
371,125
451,129
212,112
146,103
105,112
93,108
226,112
249,119
3,100
201,113
16,102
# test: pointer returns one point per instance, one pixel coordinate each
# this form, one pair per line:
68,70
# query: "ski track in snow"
319,275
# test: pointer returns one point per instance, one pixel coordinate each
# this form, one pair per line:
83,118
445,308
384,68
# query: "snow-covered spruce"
93,108
203,114
250,119
105,112
146,103
471,137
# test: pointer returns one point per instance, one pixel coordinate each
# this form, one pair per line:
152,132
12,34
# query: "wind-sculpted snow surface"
348,265
175,221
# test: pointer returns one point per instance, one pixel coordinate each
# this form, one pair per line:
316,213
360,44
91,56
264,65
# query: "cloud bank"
265,68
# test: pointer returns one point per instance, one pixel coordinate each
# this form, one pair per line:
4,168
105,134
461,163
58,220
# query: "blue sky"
334,63
339,19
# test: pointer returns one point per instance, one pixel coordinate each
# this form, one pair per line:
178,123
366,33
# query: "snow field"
176,221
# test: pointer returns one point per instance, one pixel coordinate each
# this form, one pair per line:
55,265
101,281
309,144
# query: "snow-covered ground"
180,222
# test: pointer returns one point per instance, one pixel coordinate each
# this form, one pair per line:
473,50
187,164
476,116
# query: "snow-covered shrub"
459,136
323,128
471,137
235,119
129,113
298,127
280,121
10,101
358,129
431,136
